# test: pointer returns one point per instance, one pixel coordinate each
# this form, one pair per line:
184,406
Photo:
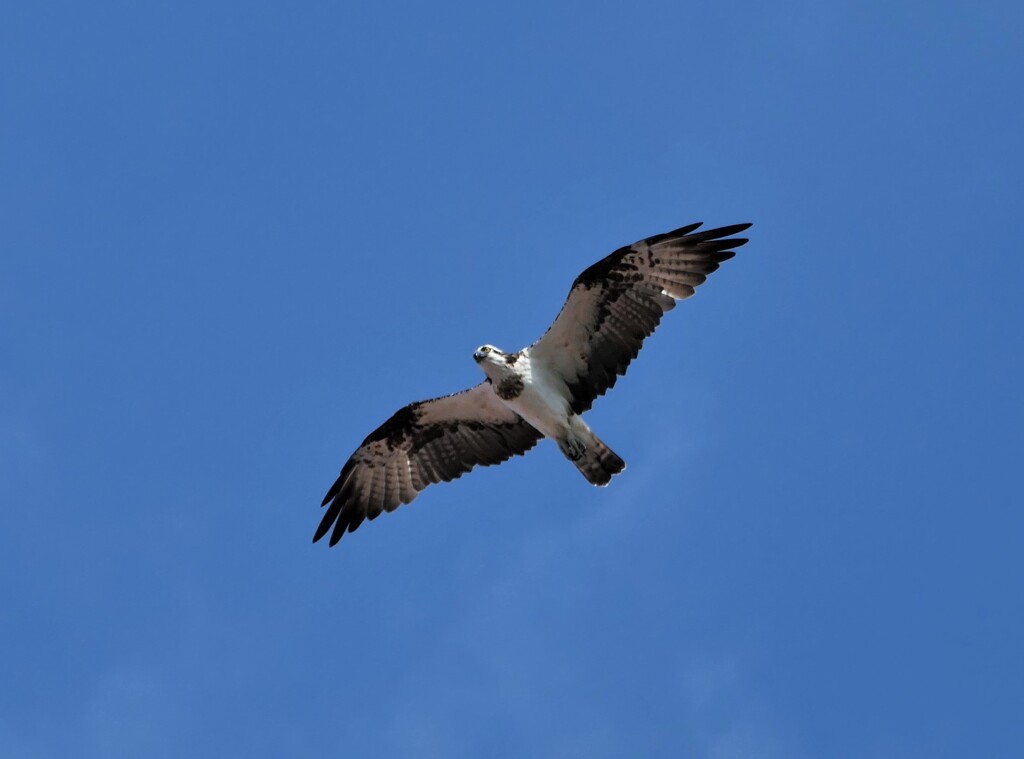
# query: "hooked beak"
478,356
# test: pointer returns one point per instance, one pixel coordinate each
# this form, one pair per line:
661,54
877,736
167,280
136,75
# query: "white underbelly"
543,407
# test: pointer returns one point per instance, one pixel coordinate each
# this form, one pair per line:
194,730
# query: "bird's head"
494,361
489,354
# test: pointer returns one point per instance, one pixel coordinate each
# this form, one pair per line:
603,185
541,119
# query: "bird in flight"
537,392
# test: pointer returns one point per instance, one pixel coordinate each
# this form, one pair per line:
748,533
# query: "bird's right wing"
423,443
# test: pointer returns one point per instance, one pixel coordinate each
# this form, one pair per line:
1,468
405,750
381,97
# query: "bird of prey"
540,391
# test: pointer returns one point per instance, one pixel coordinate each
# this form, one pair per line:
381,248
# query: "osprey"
537,392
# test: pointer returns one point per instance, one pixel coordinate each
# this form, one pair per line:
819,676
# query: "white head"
494,361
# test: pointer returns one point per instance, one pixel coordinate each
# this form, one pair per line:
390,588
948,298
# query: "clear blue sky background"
235,237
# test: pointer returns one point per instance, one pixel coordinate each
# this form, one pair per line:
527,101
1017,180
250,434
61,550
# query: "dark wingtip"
719,232
681,232
732,229
692,235
333,491
685,230
325,525
335,520
340,529
335,516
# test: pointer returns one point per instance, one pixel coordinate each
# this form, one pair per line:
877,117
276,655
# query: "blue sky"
234,238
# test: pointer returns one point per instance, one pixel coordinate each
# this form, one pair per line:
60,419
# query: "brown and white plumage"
612,307
423,443
618,302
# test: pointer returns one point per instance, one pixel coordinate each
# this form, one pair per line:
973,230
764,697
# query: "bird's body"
530,389
539,391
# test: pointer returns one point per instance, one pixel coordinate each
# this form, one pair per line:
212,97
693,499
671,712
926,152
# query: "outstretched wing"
616,303
423,443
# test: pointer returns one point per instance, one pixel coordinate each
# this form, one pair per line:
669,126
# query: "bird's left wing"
615,304
423,443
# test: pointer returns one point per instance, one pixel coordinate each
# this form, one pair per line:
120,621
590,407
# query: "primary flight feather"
538,392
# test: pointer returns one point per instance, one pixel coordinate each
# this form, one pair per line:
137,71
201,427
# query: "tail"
595,460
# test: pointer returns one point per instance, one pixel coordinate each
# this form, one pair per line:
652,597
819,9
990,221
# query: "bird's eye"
485,349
